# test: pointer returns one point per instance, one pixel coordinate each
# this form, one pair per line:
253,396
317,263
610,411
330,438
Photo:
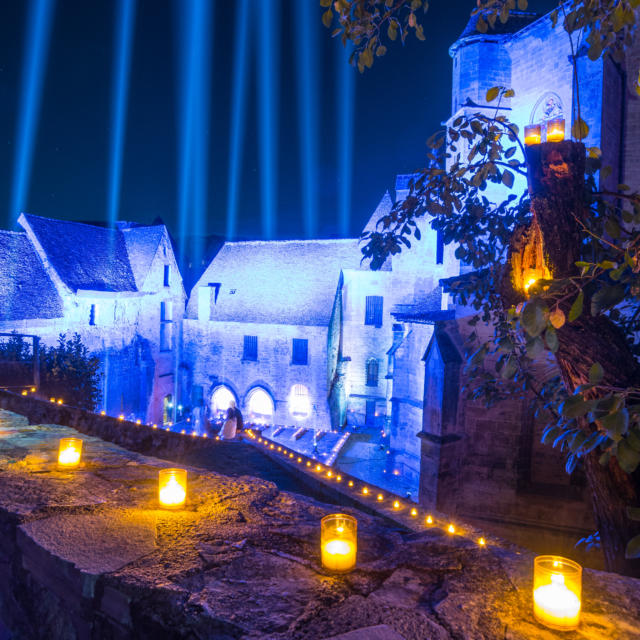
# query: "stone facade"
119,289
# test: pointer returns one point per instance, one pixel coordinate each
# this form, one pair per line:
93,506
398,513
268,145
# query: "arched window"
260,404
220,400
299,401
372,372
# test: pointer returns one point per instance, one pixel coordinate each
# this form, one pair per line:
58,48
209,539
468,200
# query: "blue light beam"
125,15
307,71
346,95
238,114
268,89
195,42
36,47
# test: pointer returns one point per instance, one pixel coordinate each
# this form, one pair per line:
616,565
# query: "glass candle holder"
339,542
557,592
532,134
69,452
172,488
555,130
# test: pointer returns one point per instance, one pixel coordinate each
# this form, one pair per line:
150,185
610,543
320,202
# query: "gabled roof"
278,282
443,342
142,245
84,256
26,291
384,206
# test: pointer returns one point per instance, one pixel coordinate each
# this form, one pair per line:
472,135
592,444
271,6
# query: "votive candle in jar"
557,592
555,130
532,134
172,488
339,542
69,452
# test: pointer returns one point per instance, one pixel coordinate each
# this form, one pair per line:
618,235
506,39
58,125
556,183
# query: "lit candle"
532,134
59,400
365,491
69,452
555,130
172,487
338,542
24,392
482,542
451,529
396,504
557,588
380,497
429,520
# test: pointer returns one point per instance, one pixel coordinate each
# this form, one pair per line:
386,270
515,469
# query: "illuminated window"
372,372
300,351
373,311
221,399
250,350
299,401
260,404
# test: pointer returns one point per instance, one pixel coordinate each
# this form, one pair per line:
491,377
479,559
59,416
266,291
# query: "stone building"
119,289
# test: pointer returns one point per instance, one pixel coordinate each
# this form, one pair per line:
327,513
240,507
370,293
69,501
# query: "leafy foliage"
67,370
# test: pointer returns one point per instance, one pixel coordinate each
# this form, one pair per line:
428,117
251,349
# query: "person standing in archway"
237,414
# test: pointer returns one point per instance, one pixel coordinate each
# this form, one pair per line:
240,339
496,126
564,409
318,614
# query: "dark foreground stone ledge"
87,554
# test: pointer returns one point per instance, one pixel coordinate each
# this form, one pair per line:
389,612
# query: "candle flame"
69,456
172,494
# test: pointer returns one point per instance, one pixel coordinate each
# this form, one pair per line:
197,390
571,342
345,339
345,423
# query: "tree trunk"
556,185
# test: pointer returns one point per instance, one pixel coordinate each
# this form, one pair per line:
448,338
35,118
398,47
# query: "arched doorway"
260,406
220,400
299,401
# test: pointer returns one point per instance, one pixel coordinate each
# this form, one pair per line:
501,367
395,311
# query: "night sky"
398,104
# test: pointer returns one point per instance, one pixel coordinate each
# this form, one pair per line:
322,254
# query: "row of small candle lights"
557,583
555,132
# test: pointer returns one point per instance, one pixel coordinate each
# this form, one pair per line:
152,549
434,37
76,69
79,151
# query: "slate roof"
26,291
83,255
425,310
279,282
142,245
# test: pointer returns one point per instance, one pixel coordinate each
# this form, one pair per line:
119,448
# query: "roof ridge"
308,241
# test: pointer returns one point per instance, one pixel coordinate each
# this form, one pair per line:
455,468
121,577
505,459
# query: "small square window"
300,351
250,350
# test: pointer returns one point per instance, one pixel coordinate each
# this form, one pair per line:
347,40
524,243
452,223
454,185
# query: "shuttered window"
373,311
300,351
372,372
250,351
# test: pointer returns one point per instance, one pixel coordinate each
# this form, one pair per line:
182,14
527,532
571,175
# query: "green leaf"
576,308
533,318
481,25
633,548
522,5
575,407
327,18
551,338
492,94
615,423
628,458
579,129
509,93
507,178
596,373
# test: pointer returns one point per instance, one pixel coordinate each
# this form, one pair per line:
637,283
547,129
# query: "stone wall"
141,438
87,554
213,353
488,466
